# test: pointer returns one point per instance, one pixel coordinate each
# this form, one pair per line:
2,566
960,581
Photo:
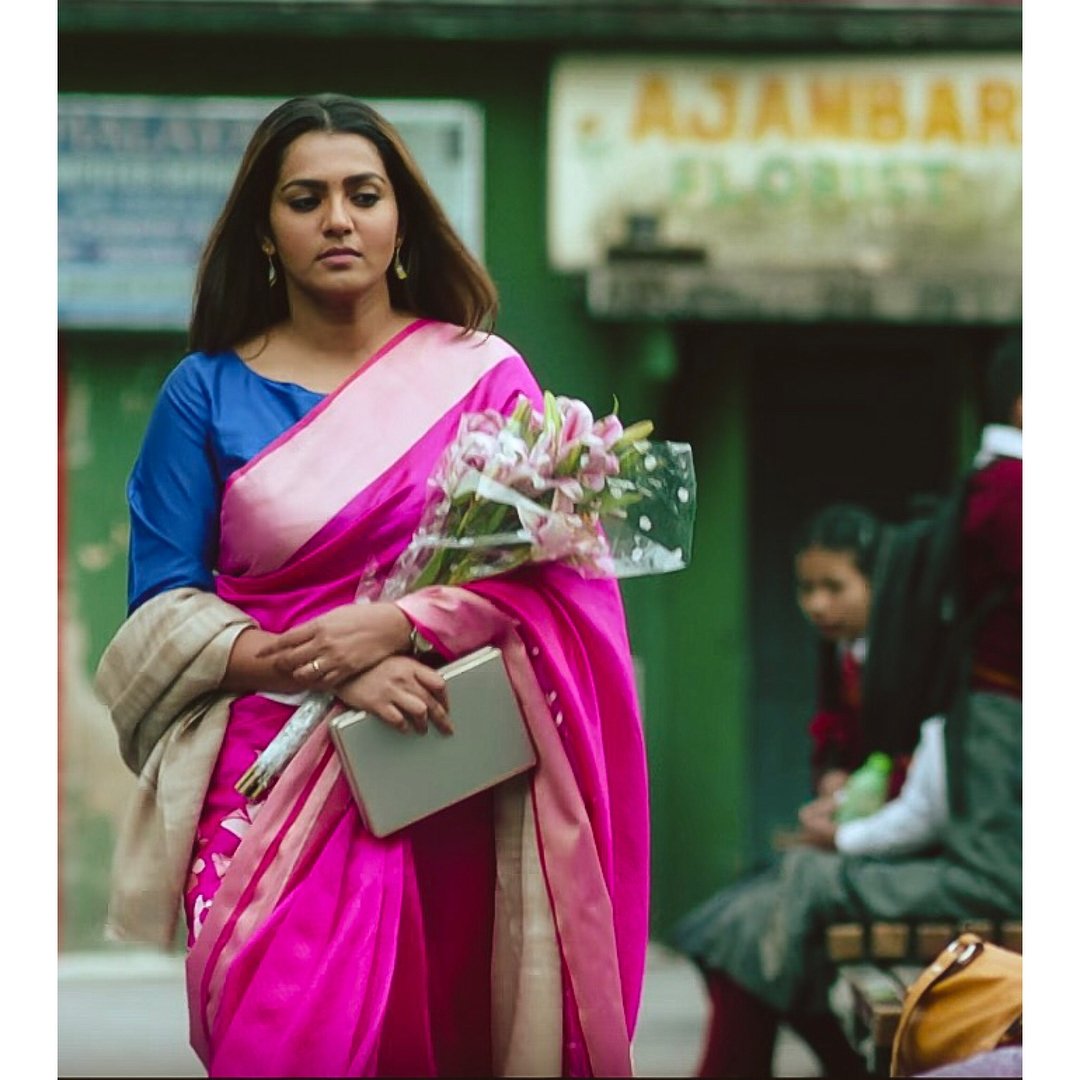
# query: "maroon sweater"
992,552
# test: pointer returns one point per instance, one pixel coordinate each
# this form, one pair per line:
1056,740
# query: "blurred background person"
834,564
760,944
948,847
993,528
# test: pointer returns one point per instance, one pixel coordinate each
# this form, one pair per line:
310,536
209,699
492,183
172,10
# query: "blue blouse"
212,415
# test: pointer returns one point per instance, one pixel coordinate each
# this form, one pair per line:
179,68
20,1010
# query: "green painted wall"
109,389
688,630
109,385
691,629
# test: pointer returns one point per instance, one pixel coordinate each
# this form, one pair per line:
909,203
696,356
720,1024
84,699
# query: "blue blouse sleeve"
174,493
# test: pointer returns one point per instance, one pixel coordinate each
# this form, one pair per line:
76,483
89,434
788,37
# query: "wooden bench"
876,964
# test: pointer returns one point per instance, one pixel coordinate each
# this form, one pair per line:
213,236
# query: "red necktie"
850,680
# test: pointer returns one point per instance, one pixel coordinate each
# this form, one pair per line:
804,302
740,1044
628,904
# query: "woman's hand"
400,691
339,644
247,674
818,824
832,781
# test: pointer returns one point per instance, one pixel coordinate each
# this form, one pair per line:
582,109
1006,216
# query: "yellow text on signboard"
874,109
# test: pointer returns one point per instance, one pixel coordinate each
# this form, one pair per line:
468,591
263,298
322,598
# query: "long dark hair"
233,297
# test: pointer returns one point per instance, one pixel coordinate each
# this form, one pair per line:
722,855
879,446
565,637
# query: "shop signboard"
142,179
879,187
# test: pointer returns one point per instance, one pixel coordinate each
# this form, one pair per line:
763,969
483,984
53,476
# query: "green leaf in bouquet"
612,502
633,434
552,416
521,420
571,463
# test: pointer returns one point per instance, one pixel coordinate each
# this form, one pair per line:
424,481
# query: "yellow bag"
967,1001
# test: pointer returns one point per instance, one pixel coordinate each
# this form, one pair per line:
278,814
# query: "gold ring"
315,665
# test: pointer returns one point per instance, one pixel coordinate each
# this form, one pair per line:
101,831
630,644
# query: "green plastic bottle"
865,790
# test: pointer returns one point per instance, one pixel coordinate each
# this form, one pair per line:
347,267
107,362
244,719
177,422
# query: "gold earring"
400,270
271,271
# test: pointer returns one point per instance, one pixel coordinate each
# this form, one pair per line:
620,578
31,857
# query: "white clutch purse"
400,777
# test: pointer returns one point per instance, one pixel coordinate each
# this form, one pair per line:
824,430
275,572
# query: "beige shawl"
159,677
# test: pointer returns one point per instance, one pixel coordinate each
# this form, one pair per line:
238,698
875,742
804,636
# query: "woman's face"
333,215
833,593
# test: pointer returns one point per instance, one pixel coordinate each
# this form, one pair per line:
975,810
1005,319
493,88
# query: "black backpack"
921,631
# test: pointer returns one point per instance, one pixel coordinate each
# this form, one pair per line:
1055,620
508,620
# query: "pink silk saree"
319,950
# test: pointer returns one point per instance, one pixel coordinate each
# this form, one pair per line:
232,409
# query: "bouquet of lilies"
532,487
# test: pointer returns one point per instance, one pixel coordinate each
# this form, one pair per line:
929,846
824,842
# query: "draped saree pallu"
503,936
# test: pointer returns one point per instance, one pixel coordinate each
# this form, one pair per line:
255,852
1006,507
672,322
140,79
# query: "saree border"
434,366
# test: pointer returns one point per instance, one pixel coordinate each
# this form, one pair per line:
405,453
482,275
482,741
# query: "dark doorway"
783,419
836,413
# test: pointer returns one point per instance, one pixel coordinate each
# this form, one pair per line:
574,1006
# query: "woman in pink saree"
337,340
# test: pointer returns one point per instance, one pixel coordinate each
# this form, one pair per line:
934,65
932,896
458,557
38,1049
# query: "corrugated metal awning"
804,25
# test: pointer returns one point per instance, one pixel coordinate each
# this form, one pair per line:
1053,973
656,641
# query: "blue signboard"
142,179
